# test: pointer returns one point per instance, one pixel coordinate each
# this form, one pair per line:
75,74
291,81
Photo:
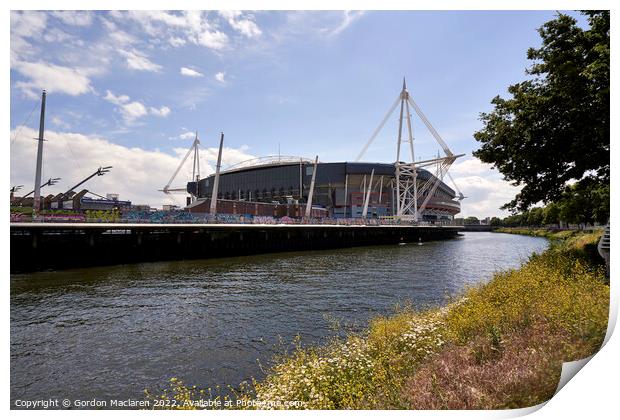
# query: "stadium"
340,188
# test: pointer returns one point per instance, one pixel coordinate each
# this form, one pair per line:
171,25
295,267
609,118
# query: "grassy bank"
500,345
547,233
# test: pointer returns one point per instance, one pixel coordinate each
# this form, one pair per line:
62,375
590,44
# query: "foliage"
103,215
560,235
551,214
520,370
21,210
585,202
471,220
559,289
555,126
501,345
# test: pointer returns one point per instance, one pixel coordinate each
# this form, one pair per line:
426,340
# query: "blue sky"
126,88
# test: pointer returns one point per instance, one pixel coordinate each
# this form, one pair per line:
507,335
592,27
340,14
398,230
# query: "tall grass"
499,345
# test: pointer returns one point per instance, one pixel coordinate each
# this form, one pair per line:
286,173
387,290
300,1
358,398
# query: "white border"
593,393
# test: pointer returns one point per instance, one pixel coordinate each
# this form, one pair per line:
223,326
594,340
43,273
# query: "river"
111,332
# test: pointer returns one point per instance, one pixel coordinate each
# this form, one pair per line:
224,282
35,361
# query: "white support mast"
195,147
346,193
367,200
309,203
409,190
216,181
196,167
36,207
460,195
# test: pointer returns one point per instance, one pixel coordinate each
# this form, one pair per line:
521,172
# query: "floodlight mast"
102,170
409,190
51,181
195,147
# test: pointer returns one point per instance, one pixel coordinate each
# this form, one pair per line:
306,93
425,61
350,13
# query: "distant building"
170,207
140,207
79,202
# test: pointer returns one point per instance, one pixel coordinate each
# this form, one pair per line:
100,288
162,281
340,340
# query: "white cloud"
116,100
138,61
137,174
20,48
483,186
348,17
306,24
176,41
186,71
230,156
116,37
133,110
74,17
28,23
215,40
56,35
130,111
220,77
53,78
160,112
121,38
178,28
25,24
56,121
186,135
242,24
470,166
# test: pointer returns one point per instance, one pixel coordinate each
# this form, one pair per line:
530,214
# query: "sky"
130,89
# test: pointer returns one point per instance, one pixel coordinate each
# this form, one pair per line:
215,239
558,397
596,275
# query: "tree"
555,127
552,214
513,220
471,220
600,203
495,221
535,216
585,202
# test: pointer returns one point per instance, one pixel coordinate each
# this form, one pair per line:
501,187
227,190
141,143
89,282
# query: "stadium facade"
340,187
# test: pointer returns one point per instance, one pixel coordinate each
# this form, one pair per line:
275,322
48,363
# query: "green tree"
555,126
552,214
513,220
495,221
600,203
471,220
536,216
585,202
525,218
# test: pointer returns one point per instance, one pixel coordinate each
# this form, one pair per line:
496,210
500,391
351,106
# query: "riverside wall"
43,246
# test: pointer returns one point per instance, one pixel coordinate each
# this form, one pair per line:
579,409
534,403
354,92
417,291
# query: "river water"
111,332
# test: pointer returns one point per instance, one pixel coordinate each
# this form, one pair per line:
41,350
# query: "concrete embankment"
477,228
41,246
